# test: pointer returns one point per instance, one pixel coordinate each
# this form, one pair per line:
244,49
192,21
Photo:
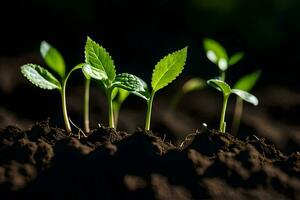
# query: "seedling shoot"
44,79
226,91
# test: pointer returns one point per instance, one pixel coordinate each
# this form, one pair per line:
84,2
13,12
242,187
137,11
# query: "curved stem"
110,108
222,127
86,105
238,111
223,75
149,111
64,108
64,99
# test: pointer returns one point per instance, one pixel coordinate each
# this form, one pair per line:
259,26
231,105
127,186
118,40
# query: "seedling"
42,78
245,83
226,90
217,54
100,66
165,71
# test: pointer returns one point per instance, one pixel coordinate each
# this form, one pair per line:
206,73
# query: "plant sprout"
246,83
42,78
100,66
226,90
165,71
217,54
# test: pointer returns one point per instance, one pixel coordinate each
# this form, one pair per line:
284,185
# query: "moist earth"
45,162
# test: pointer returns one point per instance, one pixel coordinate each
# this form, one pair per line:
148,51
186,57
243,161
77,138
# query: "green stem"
64,99
223,75
110,108
149,111
86,105
238,111
222,120
64,108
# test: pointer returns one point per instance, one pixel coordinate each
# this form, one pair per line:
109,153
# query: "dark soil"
45,163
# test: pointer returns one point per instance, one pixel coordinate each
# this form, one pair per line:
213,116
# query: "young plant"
42,78
226,90
165,71
100,66
245,83
217,54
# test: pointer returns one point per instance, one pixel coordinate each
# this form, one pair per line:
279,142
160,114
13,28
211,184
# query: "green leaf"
193,84
121,95
247,82
98,57
131,83
53,58
220,85
168,68
235,58
40,77
216,53
246,96
93,72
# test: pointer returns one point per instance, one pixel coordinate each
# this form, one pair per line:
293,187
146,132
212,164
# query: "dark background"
138,33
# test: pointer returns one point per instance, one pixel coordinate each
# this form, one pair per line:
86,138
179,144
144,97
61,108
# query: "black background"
138,33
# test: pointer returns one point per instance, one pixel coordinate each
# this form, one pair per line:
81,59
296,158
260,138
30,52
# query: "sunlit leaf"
40,77
168,68
132,84
247,82
53,58
216,53
220,85
235,58
246,96
98,57
93,72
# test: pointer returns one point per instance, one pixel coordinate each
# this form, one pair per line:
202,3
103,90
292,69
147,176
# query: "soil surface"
45,163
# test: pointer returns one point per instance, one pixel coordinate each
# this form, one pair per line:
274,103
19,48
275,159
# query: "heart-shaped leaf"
40,77
246,96
247,82
216,53
132,84
93,72
53,58
235,58
220,85
193,84
98,57
168,68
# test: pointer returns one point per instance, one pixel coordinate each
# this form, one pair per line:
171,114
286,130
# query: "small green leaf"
246,96
235,58
53,58
121,95
220,85
40,77
216,53
131,83
193,84
93,72
98,57
247,82
168,68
